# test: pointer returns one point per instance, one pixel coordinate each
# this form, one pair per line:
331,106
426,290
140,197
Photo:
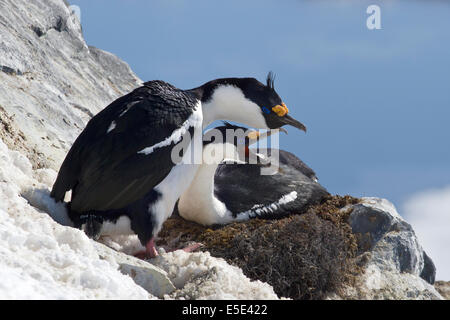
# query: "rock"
389,238
396,266
429,270
51,81
10,71
443,287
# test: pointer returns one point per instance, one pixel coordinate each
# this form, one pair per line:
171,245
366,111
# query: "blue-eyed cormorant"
221,193
120,169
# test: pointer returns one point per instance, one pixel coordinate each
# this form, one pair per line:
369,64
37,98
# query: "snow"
40,259
43,259
200,276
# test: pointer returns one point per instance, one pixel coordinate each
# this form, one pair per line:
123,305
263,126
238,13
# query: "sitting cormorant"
221,193
120,168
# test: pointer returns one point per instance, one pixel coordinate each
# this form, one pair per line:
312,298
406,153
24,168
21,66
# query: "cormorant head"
248,101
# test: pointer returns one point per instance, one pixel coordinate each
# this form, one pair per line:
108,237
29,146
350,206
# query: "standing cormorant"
121,170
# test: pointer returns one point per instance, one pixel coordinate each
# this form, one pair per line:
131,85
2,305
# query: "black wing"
105,169
241,186
291,160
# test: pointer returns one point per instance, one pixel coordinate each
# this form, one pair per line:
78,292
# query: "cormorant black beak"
292,122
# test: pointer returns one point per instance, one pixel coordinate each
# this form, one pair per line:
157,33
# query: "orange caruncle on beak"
253,135
281,110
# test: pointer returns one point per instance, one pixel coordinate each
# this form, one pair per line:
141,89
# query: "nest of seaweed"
303,256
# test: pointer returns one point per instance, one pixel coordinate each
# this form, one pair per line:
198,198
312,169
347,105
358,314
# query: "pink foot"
150,251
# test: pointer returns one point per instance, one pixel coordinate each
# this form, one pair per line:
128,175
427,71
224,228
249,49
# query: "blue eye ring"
265,110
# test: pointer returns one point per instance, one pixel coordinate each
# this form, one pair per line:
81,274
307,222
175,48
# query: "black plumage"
122,164
242,188
105,170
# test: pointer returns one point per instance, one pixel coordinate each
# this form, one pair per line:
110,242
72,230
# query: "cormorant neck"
224,99
203,183
202,187
205,91
199,203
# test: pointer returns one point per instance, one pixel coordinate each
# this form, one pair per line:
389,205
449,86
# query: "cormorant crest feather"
271,80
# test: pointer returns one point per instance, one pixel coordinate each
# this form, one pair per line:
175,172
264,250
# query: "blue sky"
376,102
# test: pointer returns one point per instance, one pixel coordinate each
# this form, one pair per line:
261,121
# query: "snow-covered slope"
41,259
51,83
